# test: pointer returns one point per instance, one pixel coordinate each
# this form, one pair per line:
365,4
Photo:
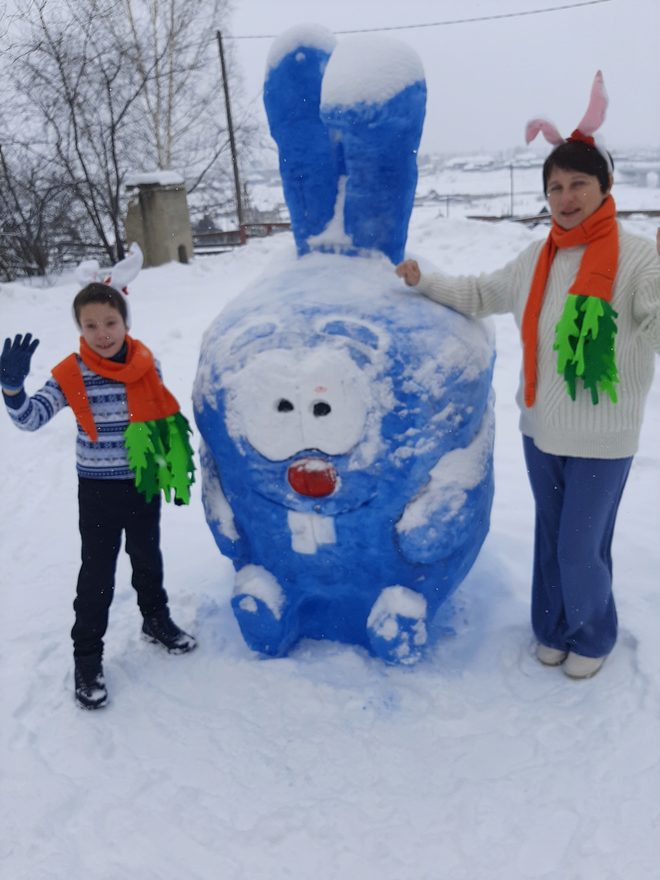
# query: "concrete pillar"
158,218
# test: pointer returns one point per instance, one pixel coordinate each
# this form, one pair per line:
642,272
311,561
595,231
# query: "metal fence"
544,217
213,242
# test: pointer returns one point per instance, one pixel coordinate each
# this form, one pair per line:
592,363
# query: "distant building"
158,218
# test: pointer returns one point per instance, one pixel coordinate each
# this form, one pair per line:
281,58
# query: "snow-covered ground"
479,764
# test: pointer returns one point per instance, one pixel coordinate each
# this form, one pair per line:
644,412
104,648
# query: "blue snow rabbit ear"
347,122
309,159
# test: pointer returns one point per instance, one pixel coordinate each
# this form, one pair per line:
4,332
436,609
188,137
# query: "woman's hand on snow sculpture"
409,271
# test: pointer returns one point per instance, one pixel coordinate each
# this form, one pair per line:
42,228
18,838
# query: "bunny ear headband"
589,124
118,277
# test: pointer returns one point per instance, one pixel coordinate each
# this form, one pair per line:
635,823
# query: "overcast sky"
486,79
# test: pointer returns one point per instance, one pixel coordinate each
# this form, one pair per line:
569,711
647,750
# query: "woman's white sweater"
557,424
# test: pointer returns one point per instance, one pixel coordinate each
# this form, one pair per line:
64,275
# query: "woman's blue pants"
577,500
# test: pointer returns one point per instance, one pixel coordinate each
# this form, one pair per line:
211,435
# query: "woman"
588,304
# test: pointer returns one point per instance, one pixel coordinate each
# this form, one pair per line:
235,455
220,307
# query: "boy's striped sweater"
104,460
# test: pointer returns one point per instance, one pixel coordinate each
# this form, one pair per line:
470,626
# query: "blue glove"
15,361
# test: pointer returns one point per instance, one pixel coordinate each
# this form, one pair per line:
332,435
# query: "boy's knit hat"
118,277
588,125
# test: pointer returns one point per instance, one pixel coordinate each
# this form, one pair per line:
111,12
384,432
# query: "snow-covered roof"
154,178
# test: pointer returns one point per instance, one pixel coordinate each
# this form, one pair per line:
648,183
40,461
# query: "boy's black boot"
90,687
160,629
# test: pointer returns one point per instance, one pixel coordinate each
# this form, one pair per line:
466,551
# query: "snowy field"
488,186
479,764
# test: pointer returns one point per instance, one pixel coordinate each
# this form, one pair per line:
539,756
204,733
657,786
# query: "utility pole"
232,141
511,173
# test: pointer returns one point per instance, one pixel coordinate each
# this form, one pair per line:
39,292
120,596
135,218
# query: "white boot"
550,656
577,666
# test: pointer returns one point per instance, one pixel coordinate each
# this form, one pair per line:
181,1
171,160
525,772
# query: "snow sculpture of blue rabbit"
347,424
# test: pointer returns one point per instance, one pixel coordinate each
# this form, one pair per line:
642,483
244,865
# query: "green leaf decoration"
180,457
141,457
566,330
160,455
570,375
585,345
158,430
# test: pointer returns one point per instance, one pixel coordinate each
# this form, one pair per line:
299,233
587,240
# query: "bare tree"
34,212
110,87
184,115
83,98
173,38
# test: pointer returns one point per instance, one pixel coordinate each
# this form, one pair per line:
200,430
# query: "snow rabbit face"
283,404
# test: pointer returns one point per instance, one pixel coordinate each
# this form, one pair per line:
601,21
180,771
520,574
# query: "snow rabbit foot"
258,604
396,627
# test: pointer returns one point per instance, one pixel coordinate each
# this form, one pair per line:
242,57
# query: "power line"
430,24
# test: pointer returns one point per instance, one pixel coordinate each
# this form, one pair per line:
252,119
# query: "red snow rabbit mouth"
313,477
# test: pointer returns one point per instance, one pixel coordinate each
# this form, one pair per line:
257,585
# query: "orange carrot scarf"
156,439
584,335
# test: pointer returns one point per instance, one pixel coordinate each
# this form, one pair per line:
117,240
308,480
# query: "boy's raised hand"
15,361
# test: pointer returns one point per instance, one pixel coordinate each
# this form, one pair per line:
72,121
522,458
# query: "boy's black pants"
106,508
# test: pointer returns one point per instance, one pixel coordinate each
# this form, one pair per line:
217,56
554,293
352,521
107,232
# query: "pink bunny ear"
595,115
550,133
